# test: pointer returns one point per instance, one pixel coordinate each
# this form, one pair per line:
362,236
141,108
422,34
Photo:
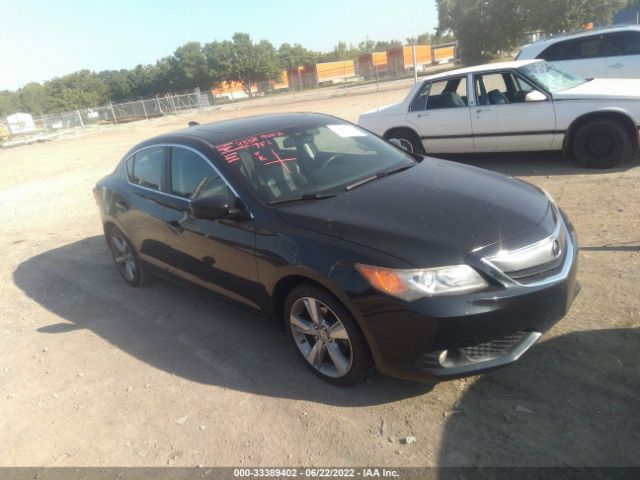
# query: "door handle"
420,115
175,226
480,110
122,206
617,65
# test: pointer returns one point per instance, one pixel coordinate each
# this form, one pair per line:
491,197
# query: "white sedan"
515,106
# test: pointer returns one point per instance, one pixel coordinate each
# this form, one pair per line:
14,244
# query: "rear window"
145,168
588,47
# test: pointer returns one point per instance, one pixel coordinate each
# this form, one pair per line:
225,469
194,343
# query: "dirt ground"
95,373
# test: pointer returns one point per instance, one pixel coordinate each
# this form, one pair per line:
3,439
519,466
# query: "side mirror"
535,96
210,208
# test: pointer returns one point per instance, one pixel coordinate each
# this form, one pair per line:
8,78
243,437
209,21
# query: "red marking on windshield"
260,146
281,161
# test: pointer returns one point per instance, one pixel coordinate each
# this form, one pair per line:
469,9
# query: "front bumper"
453,336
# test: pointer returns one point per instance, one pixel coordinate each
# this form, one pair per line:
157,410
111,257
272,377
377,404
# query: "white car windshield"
551,78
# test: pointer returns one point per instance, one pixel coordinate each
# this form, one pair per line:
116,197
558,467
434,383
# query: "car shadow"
524,164
573,402
180,332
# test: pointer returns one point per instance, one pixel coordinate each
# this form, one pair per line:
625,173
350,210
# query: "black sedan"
366,254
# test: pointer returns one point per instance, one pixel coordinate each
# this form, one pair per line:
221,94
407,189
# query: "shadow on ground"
526,164
573,400
175,330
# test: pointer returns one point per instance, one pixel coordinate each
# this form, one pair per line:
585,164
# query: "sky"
40,40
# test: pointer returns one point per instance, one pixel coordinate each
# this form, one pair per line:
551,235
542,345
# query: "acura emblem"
555,248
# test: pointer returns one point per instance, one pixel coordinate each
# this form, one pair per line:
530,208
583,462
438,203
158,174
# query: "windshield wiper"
306,196
378,175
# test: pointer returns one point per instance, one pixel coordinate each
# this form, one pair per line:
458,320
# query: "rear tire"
408,138
126,258
601,144
326,336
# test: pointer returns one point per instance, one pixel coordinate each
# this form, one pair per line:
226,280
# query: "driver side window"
193,177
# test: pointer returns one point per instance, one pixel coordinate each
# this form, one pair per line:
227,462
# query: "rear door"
140,208
503,121
583,56
440,114
623,54
218,255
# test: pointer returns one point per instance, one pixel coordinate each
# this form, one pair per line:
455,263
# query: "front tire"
326,336
601,144
408,139
126,258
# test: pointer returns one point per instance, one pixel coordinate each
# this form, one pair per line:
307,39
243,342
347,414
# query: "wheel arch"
620,116
387,134
291,280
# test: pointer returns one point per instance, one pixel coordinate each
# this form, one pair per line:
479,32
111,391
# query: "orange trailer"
371,63
401,58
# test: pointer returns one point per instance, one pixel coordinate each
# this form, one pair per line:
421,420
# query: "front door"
440,115
503,120
218,255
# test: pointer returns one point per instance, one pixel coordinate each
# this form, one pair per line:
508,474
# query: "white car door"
623,54
440,114
510,114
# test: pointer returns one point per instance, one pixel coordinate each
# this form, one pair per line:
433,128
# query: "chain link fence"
293,87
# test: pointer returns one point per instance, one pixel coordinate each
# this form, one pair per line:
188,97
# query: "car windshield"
309,160
551,78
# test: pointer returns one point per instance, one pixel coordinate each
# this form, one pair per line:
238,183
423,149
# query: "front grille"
536,262
493,348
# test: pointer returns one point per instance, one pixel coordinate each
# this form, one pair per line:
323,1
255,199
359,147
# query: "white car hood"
603,88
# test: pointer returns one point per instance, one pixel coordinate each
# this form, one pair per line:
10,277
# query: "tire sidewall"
361,363
622,147
138,274
411,138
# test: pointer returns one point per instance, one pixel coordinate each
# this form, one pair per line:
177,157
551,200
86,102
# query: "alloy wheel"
321,337
123,256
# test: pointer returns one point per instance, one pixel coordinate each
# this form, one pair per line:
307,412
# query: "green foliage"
485,27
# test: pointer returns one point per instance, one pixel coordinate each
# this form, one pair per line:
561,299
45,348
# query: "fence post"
144,109
415,65
159,106
317,86
115,120
377,82
197,93
80,118
175,110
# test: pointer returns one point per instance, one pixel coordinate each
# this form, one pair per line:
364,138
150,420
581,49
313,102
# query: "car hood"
433,214
603,88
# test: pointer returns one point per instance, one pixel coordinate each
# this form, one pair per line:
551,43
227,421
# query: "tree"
485,27
189,65
252,62
385,45
9,103
33,98
291,56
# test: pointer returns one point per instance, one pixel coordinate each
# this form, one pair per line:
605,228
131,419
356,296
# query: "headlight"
410,285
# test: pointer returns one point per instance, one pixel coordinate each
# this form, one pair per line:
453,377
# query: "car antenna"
193,124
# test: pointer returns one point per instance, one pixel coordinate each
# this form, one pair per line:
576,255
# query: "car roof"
487,67
533,49
220,132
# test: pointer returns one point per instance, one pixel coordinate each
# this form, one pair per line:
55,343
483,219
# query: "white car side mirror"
535,96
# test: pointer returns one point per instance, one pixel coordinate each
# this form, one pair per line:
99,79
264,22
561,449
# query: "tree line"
485,28
192,65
